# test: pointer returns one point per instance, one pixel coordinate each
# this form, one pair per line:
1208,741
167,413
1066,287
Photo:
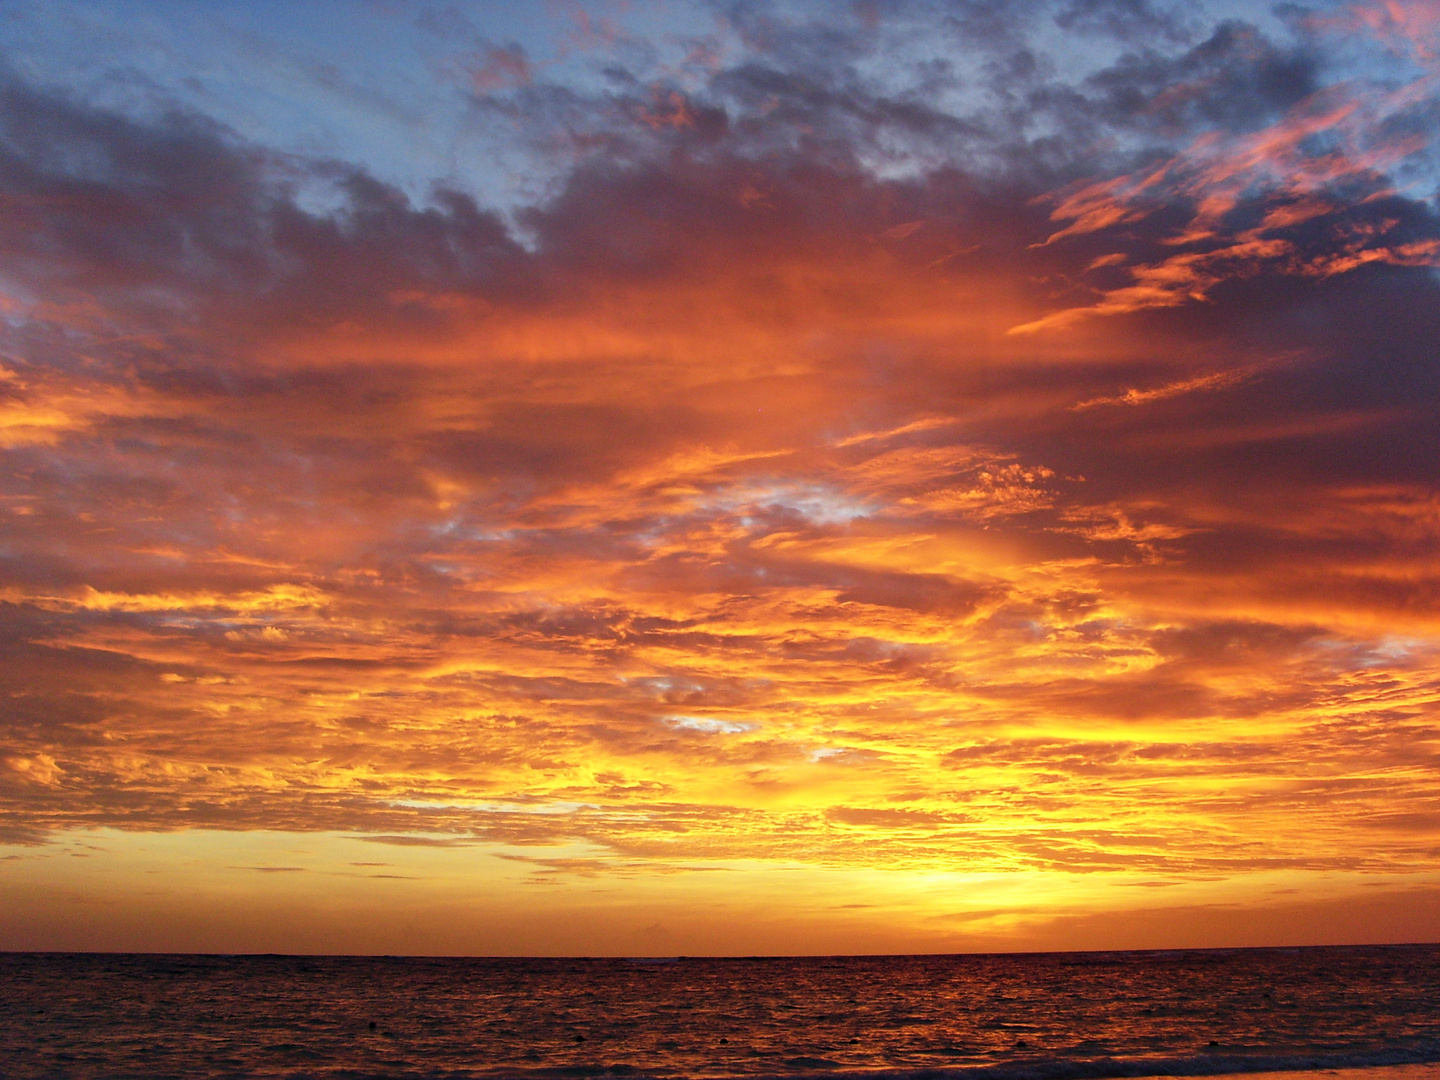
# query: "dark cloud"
1235,80
1126,20
173,225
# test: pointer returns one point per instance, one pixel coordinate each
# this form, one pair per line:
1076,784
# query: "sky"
718,477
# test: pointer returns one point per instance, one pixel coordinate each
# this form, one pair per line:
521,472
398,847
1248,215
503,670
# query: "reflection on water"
1036,1015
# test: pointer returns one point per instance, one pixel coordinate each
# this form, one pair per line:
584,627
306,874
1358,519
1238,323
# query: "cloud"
1236,80
499,68
411,840
709,506
1126,20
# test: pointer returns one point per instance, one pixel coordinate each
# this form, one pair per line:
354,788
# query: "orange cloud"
660,532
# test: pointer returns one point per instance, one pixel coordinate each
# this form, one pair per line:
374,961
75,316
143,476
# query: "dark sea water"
1028,1017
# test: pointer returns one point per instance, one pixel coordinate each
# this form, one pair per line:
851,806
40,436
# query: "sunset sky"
718,477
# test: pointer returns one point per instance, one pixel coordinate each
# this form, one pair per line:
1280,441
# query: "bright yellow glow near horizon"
345,893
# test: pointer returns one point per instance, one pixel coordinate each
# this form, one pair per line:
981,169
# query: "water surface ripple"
1008,1017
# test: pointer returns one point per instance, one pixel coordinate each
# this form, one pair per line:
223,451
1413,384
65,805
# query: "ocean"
1057,1016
